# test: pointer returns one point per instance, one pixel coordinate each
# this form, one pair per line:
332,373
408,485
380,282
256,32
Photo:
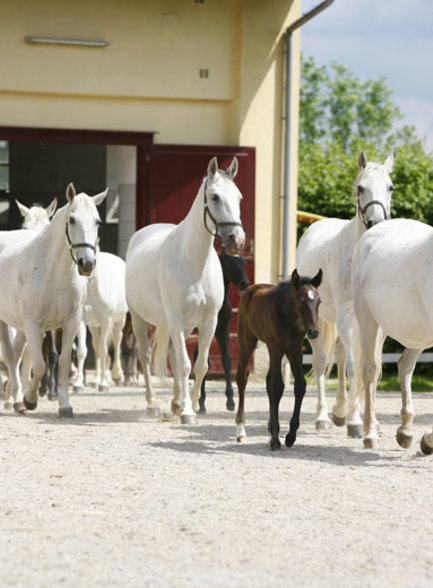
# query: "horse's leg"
22,361
182,370
323,422
222,336
116,370
338,415
34,341
300,386
13,387
345,325
96,336
81,357
406,366
70,330
100,344
371,340
275,389
202,398
141,331
176,403
201,366
53,367
247,344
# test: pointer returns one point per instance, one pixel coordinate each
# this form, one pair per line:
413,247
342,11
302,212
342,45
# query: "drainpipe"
287,171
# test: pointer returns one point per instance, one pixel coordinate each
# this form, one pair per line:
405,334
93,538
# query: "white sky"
380,38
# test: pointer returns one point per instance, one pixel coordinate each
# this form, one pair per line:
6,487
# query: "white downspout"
287,170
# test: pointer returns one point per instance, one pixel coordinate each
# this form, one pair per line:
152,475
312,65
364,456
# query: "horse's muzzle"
85,266
235,242
312,333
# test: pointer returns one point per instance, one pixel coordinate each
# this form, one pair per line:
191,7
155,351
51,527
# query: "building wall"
150,78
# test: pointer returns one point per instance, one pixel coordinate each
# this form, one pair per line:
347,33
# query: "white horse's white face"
373,188
36,217
82,228
222,205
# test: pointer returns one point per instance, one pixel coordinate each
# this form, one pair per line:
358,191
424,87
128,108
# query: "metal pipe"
287,168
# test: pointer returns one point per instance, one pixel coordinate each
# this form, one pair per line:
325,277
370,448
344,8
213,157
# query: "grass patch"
389,383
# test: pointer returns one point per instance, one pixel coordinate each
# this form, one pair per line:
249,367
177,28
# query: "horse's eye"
391,188
360,189
71,220
215,197
99,223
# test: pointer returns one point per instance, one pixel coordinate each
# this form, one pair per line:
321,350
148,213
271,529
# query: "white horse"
174,281
329,244
392,275
43,287
104,313
34,219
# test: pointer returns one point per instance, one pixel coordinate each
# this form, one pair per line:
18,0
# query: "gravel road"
115,499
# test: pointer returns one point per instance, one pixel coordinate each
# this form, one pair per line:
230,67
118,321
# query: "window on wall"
4,184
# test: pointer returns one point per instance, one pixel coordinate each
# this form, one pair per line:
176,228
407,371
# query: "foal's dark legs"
300,387
275,389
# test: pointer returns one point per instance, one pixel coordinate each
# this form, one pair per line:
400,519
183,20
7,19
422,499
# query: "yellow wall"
147,79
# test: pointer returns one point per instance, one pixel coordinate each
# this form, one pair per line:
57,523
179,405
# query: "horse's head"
373,188
82,228
222,205
308,300
234,270
36,217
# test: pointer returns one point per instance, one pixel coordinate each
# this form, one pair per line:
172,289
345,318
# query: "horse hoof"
370,443
338,421
19,407
202,410
30,405
8,405
66,412
404,440
188,419
322,425
230,405
241,439
274,445
153,411
78,389
103,388
426,449
354,431
290,439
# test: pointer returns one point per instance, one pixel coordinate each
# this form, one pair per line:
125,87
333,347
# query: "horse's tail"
329,338
160,343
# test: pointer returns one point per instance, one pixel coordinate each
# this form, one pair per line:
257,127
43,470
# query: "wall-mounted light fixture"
55,41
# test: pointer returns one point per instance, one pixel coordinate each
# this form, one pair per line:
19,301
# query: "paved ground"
115,499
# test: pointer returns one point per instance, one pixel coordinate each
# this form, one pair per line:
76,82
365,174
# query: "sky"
391,39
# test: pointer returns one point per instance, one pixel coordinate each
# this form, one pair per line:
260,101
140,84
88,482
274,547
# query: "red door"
174,176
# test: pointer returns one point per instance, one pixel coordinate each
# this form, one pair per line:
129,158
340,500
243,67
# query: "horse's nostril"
312,333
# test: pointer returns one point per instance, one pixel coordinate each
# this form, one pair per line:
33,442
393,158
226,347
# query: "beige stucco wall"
147,79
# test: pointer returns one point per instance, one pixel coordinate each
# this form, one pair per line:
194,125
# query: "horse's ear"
212,168
99,198
389,163
317,280
362,160
295,278
51,209
70,192
23,209
232,170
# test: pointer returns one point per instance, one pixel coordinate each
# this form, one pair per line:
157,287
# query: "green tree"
339,117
